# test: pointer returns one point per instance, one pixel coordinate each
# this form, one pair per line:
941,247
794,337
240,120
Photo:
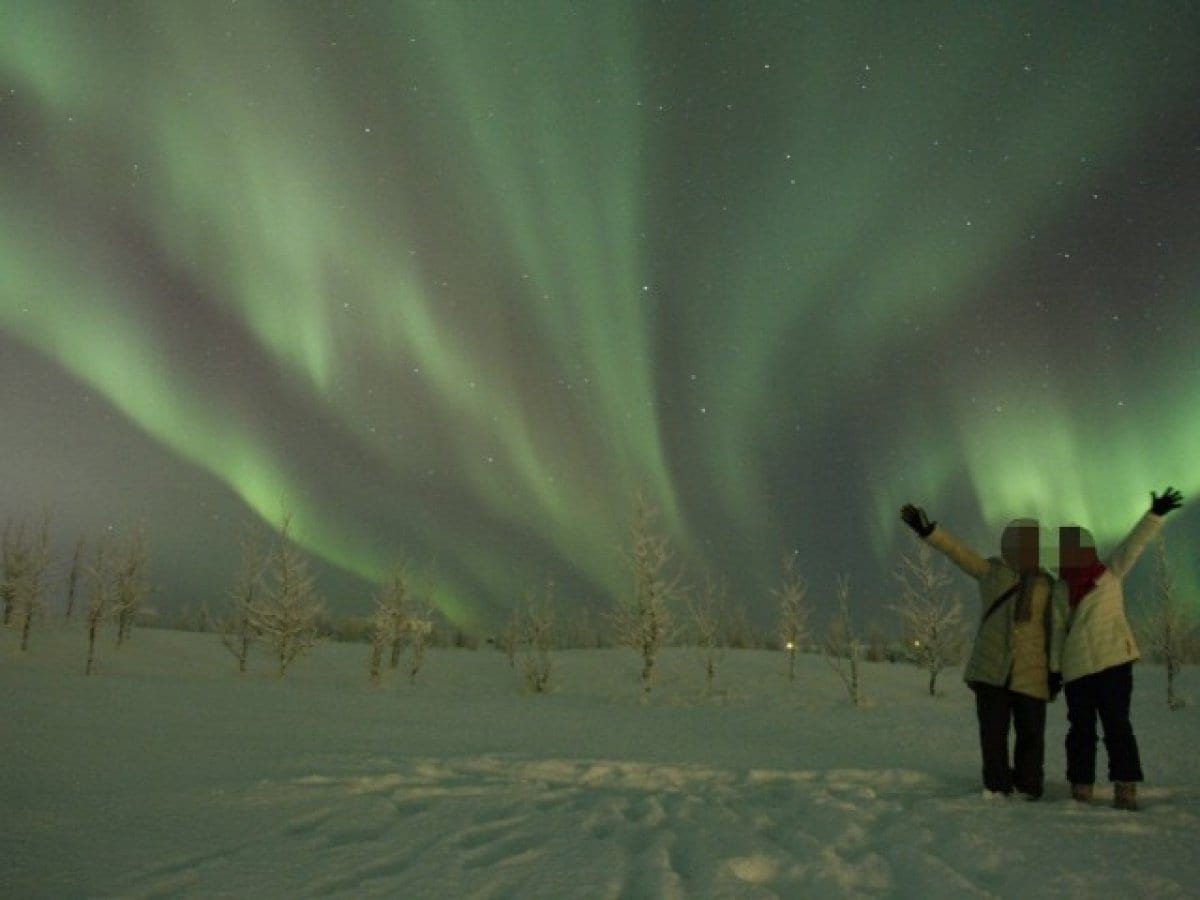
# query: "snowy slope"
168,775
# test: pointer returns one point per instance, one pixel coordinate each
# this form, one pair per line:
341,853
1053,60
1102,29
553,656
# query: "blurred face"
1019,547
1074,551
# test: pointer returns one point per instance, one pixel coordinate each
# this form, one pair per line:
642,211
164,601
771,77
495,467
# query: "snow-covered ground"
168,775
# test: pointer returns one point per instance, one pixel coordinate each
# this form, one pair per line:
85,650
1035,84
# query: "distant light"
791,645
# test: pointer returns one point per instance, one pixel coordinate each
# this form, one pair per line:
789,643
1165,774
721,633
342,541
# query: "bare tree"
419,627
1167,626
31,598
400,620
740,632
389,625
288,615
393,601
12,560
509,638
581,631
643,620
377,643
26,559
73,575
793,611
381,634
931,617
876,643
709,614
131,585
236,625
536,635
843,648
99,577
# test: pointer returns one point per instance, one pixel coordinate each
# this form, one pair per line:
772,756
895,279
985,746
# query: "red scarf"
1081,580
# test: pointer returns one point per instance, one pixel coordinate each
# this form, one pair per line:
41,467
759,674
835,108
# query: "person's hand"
1056,685
1171,499
914,517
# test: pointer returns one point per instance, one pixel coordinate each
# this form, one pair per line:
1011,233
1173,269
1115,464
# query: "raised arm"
940,539
1126,554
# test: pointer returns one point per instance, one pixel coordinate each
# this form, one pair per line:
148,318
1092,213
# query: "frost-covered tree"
11,562
400,619
709,613
131,586
377,642
235,625
419,629
642,620
930,615
287,616
843,647
508,641
389,624
1167,626
739,632
536,637
394,600
793,611
581,632
26,560
876,649
31,594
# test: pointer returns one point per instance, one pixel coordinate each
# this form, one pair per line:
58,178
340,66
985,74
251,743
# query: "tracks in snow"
494,827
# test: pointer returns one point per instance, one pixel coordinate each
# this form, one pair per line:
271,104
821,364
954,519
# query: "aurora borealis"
452,281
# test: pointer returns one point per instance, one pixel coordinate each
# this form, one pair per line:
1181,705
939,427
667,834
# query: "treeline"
105,581
273,608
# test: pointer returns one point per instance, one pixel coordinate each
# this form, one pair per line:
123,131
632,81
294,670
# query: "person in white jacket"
1008,667
1094,648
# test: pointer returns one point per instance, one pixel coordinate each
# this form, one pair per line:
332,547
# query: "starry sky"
451,282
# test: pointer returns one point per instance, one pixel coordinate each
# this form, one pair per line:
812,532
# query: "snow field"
168,775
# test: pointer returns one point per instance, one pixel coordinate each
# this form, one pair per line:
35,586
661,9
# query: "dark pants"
997,708
1105,695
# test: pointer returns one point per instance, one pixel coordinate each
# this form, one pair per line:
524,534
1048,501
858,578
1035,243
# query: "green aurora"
454,281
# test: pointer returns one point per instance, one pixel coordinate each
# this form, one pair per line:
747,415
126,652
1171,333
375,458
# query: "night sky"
451,282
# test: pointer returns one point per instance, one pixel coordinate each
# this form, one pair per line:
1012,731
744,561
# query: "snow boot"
1081,792
1125,795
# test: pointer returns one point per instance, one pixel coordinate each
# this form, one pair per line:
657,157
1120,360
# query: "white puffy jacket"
1005,652
1095,635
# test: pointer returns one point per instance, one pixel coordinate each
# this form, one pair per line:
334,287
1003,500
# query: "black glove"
1171,499
914,517
1055,685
